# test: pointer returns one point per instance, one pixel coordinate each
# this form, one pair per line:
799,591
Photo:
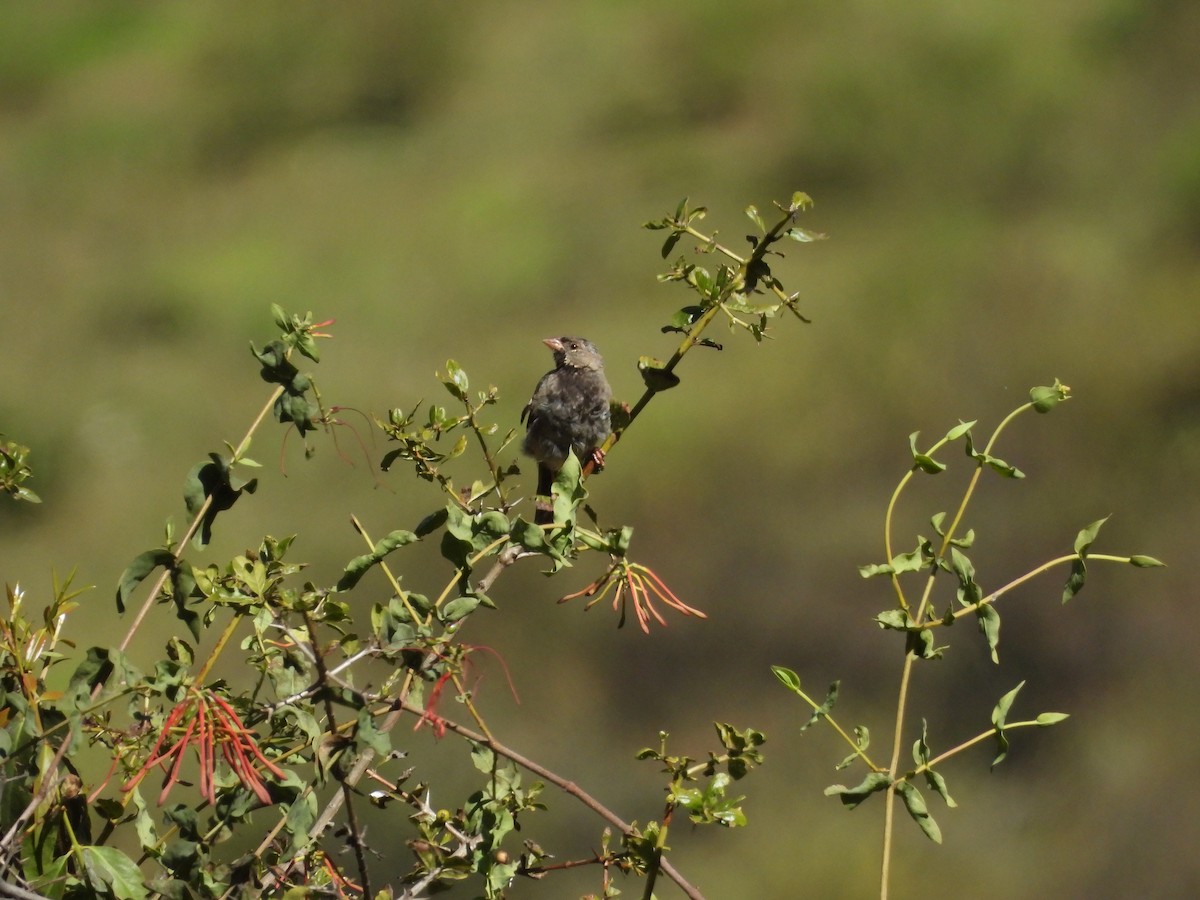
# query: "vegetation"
283,757
1012,195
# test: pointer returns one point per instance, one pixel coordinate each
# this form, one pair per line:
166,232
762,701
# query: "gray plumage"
569,410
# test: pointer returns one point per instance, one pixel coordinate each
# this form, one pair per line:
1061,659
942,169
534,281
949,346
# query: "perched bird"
569,410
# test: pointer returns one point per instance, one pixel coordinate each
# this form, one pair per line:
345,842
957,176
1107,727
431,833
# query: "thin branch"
567,787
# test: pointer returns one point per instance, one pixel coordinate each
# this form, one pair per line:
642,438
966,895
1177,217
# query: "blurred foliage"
1012,191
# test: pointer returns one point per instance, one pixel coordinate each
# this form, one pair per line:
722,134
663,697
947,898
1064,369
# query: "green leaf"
1000,712
969,592
920,643
897,619
670,242
368,735
1051,718
1087,536
96,668
212,482
360,565
999,715
800,202
143,564
804,235
853,796
993,462
456,382
862,740
825,708
1083,543
459,608
787,678
913,561
922,461
937,783
1145,562
872,569
915,804
482,757
532,538
959,430
1075,580
108,871
752,214
431,522
989,625
654,374
921,745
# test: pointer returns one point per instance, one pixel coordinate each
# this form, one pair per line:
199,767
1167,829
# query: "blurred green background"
1012,193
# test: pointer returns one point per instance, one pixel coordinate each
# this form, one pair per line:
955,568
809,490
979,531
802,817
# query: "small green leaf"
1145,562
787,678
938,784
1075,580
655,375
915,804
914,560
921,755
670,242
862,740
995,463
920,750
804,235
800,201
920,644
142,565
897,619
922,461
459,608
1000,712
853,796
1083,543
989,626
1051,718
431,522
752,214
1001,748
360,565
457,375
965,541
872,569
825,708
969,592
1086,537
959,430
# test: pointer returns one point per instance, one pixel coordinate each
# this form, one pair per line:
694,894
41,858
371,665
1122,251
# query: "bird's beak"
554,344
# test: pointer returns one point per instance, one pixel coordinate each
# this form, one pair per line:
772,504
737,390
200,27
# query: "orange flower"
637,582
209,723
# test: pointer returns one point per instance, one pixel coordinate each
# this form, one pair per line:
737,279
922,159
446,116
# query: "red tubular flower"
430,715
637,583
208,721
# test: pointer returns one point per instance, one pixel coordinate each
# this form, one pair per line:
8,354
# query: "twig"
567,787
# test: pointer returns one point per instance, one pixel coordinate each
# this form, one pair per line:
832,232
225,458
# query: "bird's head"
575,353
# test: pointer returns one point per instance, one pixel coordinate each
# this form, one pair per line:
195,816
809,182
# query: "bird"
569,411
